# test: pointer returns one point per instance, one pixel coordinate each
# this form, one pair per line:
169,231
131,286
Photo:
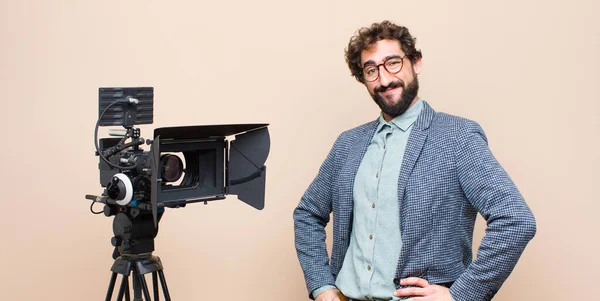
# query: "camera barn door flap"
247,170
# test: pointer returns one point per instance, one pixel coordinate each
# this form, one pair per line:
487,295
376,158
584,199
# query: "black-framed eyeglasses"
392,65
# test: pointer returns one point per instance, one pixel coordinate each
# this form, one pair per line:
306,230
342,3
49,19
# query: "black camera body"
184,164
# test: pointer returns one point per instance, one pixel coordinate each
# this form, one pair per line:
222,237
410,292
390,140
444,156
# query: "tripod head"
134,232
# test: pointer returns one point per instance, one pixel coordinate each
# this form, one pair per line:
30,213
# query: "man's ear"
417,66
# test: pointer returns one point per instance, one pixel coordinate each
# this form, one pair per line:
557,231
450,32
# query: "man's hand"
333,294
424,291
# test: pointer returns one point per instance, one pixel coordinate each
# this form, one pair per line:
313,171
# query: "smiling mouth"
390,91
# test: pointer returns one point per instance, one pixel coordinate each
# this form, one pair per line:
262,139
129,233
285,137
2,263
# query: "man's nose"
385,78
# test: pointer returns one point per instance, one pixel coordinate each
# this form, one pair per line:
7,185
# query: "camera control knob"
115,241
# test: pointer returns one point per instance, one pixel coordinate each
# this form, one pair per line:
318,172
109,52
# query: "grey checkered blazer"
447,176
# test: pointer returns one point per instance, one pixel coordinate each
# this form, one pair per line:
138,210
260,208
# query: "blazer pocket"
445,273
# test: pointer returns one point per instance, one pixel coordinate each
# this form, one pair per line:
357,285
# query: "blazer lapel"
415,143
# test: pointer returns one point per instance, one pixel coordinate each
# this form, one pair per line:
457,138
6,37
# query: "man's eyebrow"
371,62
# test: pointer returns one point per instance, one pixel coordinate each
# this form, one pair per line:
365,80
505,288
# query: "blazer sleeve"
510,222
310,218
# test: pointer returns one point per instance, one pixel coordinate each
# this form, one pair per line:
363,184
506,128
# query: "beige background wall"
527,71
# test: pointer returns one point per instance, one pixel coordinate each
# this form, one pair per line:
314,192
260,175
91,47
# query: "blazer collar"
424,120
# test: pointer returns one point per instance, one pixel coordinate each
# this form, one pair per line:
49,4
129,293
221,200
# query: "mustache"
392,85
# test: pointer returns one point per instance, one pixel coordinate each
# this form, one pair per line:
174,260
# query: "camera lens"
171,168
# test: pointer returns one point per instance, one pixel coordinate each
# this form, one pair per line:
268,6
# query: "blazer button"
397,281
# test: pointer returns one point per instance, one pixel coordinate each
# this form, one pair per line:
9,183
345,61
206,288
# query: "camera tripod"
139,265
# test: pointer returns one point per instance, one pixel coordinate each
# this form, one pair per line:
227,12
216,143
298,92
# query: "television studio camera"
186,164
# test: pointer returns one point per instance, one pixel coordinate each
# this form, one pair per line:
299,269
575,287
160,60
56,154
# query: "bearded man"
405,190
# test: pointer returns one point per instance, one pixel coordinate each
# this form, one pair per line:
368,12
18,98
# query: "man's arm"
510,222
310,218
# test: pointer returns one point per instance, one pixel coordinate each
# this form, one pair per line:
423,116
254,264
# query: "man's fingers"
414,281
411,291
420,287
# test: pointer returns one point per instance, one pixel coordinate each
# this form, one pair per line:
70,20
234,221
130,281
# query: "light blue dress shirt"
370,263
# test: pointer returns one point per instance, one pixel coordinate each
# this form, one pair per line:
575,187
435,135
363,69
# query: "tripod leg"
144,286
127,296
111,286
163,282
137,294
155,285
124,288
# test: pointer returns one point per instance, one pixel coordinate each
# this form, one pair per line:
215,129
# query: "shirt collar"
404,121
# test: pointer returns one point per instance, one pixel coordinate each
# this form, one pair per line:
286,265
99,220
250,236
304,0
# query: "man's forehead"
380,50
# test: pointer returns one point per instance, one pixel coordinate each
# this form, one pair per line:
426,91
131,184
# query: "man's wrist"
321,289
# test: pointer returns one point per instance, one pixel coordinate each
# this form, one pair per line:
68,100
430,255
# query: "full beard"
409,92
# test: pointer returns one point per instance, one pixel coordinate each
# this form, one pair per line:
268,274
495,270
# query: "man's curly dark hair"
366,37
